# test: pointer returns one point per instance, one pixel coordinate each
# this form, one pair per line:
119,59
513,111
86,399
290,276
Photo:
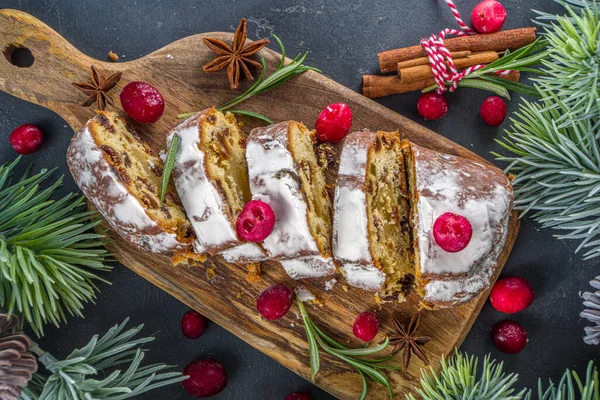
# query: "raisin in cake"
212,181
440,183
284,173
121,177
371,231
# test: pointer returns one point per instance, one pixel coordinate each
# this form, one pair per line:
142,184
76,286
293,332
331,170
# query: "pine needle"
49,253
107,368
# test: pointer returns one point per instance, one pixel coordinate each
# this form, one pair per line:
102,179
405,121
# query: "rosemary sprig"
523,59
365,367
169,165
281,75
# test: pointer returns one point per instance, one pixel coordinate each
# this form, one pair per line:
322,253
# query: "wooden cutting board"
219,290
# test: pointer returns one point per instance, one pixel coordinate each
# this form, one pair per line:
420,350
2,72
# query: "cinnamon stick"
375,86
425,61
512,39
421,72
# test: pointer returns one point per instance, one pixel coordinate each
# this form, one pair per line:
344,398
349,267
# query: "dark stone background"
343,37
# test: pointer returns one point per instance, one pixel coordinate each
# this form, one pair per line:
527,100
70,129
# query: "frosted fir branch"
591,302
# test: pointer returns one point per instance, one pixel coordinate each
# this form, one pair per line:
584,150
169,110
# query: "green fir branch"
459,378
370,368
107,368
49,253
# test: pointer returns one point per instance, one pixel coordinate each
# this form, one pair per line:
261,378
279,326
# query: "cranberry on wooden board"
275,301
207,377
297,396
512,294
193,324
26,139
432,106
452,232
366,326
142,102
488,16
256,221
493,110
334,123
509,337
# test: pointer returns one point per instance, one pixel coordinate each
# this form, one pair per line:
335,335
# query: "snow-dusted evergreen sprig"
107,368
557,168
572,66
591,302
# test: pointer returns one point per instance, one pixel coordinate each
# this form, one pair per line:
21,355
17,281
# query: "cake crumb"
254,272
330,284
211,275
240,294
378,299
293,325
112,56
345,287
187,257
169,57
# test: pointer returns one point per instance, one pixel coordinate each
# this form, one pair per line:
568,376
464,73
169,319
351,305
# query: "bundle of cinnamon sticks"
414,72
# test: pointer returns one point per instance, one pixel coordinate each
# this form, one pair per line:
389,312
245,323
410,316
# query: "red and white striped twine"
438,54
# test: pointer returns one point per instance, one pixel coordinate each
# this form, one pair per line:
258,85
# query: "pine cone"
592,313
17,365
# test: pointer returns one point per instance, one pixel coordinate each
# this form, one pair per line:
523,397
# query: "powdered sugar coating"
478,192
104,189
201,200
350,221
273,179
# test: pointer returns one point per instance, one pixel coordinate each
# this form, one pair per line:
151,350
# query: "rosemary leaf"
169,165
253,115
366,350
365,385
513,86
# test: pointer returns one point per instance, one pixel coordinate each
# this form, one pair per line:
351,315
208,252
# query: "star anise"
234,57
408,339
98,89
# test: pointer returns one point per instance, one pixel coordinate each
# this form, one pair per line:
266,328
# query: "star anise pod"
408,340
98,89
234,57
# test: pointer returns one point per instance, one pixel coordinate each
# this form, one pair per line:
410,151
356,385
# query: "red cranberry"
193,324
255,222
432,106
509,337
488,16
493,110
366,326
26,139
143,102
275,301
297,396
452,232
206,378
334,122
512,294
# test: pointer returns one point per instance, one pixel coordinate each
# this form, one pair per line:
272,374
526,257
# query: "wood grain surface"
219,290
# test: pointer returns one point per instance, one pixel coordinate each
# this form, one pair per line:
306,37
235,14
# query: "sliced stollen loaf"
371,231
441,183
211,178
284,173
120,175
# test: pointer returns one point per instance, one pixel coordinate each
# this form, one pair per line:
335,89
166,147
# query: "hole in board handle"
19,56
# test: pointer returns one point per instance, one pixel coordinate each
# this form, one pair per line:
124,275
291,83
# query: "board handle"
39,65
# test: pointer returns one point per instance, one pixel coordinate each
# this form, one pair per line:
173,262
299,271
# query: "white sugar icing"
274,180
442,186
98,181
303,294
350,222
201,200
